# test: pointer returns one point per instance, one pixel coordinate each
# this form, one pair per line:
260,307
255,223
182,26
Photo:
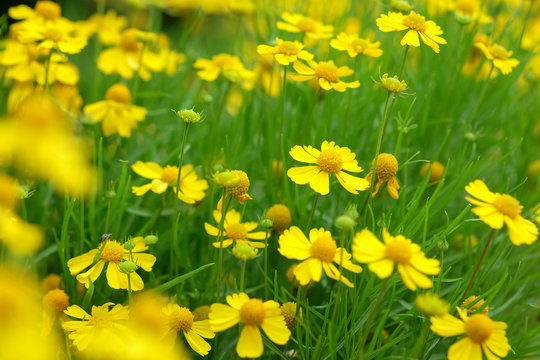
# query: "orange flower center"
181,319
288,48
236,231
499,52
53,34
48,9
306,24
323,248
399,250
330,160
113,251
56,301
119,93
507,205
327,71
415,22
129,42
253,312
387,166
479,328
170,174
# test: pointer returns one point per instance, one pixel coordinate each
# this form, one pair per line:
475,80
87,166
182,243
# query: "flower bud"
401,5
189,116
127,267
393,84
150,239
129,245
267,223
226,178
345,222
244,252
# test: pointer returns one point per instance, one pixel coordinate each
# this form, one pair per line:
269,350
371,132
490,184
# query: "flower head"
331,159
313,29
478,303
387,167
253,313
381,258
285,52
355,45
481,334
432,305
111,253
231,67
499,56
288,310
235,230
393,84
437,171
318,253
280,216
498,209
192,189
43,11
326,73
417,27
52,36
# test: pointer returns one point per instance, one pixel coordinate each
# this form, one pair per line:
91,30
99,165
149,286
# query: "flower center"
387,166
288,48
100,317
119,93
253,312
53,34
181,319
323,248
170,174
236,231
113,251
467,6
327,71
243,184
360,45
499,52
330,161
507,205
415,22
129,42
306,24
393,84
48,9
399,250
56,301
479,328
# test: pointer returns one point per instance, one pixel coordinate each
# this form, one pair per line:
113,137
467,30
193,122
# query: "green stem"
317,195
464,296
283,94
403,62
68,349
225,207
371,317
243,275
482,94
266,264
348,106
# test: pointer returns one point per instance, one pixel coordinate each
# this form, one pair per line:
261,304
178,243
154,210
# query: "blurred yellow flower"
116,113
437,170
109,27
43,11
280,216
326,73
52,36
318,253
285,52
432,305
355,45
235,230
387,167
192,189
499,56
228,65
312,28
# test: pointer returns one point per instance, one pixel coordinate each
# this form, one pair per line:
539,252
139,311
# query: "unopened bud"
127,267
244,252
189,116
345,222
150,239
267,223
226,178
129,245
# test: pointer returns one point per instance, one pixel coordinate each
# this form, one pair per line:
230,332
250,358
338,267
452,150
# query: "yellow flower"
393,84
417,27
43,11
498,209
191,187
52,36
269,77
235,230
111,252
469,241
230,66
109,27
313,29
181,319
387,167
474,308
355,45
116,112
432,305
280,216
252,313
499,55
381,257
437,171
481,333
103,328
330,159
317,253
285,52
326,73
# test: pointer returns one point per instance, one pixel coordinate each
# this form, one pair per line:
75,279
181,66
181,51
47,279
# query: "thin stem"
482,94
371,317
478,265
266,264
347,107
312,211
227,202
338,292
403,62
243,275
283,95
129,289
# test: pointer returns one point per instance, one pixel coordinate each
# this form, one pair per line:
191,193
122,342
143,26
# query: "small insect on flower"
498,209
253,313
235,230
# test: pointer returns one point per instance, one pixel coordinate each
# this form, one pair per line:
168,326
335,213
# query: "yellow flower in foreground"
498,209
381,257
387,167
326,73
313,29
481,333
317,253
330,159
235,230
417,27
500,57
111,252
285,52
103,328
117,114
252,313
355,45
181,319
192,189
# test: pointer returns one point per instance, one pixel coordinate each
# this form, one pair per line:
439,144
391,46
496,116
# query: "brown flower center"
128,41
387,166
181,319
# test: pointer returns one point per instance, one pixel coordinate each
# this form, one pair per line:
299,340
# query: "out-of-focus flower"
437,171
52,36
326,73
285,52
269,77
43,12
432,305
476,306
280,216
297,23
470,242
108,27
393,84
227,65
499,56
355,45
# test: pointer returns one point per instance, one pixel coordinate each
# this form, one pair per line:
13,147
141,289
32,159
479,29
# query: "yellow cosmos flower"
180,319
481,334
235,230
498,209
116,113
326,73
103,328
330,159
111,252
499,55
252,313
297,23
381,258
192,189
57,36
355,45
285,52
387,167
317,253
417,27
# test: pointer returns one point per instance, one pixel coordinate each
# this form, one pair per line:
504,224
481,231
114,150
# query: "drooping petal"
447,325
303,175
250,342
465,349
222,317
197,343
275,328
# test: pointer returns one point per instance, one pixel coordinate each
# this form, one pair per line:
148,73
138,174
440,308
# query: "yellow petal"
222,317
367,248
293,244
250,343
479,190
303,175
447,325
304,154
275,328
411,38
149,170
465,349
197,343
320,182
76,312
81,262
